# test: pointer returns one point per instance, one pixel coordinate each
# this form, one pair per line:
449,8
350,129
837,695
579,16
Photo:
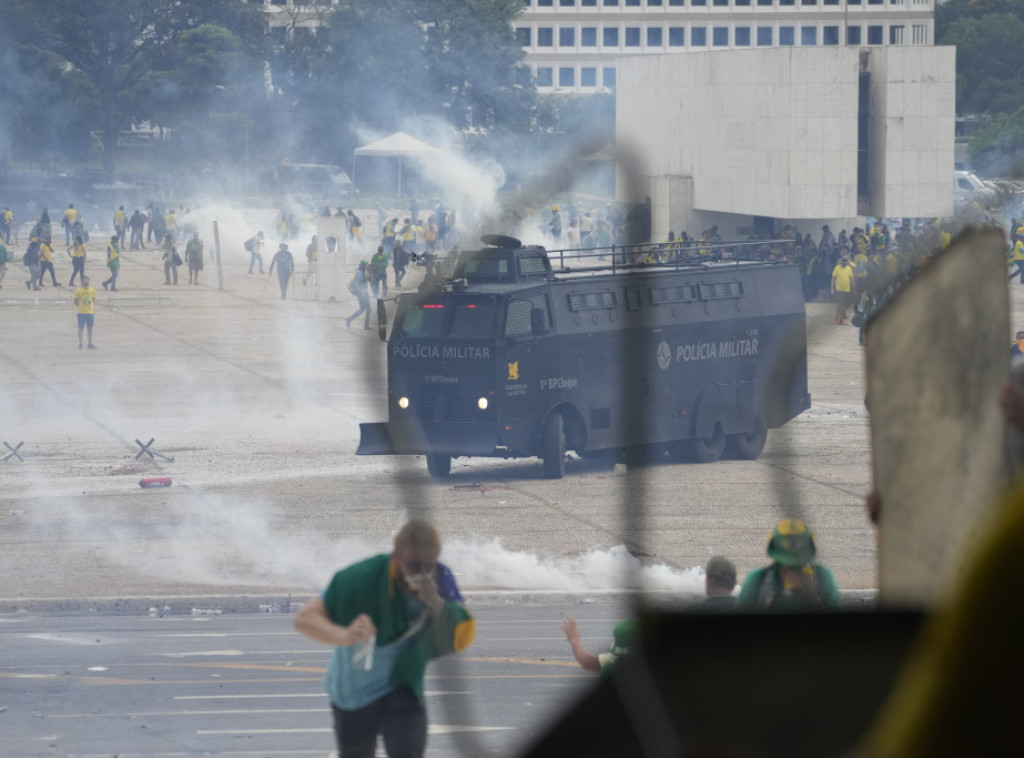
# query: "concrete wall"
912,132
773,132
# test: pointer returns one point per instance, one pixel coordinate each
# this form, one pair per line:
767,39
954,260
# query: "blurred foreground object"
936,362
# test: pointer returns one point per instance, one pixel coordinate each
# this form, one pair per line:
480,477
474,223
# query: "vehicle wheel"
747,447
709,449
554,447
439,465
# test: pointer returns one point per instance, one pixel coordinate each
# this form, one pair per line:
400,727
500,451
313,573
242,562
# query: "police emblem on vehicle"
664,355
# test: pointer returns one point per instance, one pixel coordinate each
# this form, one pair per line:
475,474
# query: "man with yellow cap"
793,582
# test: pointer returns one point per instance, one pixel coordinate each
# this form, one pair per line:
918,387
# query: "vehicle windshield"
447,317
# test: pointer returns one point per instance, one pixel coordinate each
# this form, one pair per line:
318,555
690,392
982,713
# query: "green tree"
115,45
393,63
998,149
989,40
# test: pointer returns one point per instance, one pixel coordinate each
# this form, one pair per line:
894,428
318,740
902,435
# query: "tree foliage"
392,64
989,40
115,47
998,149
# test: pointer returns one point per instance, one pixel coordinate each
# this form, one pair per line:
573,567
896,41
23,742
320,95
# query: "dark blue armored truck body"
509,358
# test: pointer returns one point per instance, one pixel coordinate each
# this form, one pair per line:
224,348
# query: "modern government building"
573,45
751,114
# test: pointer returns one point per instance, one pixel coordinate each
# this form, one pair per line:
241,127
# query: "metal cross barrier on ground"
151,453
13,454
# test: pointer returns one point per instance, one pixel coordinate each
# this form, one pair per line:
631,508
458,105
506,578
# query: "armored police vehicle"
613,352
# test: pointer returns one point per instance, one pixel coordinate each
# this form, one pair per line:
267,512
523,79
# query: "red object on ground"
155,481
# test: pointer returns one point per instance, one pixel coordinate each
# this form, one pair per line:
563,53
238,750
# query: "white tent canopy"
399,145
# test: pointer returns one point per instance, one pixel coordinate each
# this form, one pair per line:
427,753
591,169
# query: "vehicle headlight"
482,403
403,403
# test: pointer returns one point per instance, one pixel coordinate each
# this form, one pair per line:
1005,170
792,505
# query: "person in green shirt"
3,264
387,617
194,256
113,263
793,582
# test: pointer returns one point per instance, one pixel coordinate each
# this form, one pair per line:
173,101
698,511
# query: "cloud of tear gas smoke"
218,541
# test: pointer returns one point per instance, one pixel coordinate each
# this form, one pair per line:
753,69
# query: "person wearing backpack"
170,258
31,261
254,246
793,581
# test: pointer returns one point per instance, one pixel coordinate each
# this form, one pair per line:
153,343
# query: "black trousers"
399,717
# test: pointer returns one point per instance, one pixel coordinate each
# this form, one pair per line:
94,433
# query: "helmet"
792,544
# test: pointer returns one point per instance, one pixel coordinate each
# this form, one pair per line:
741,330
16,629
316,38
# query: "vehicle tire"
439,465
747,447
554,447
709,449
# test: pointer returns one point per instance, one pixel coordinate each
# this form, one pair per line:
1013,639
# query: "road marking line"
431,729
426,693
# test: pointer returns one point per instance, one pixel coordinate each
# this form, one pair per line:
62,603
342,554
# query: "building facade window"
698,2
588,36
545,36
676,36
853,35
676,2
896,35
830,35
566,76
919,34
720,2
654,2
720,36
632,36
611,2
588,3
608,77
739,3
764,2
544,76
741,36
588,76
786,36
544,3
874,35
523,75
523,36
567,3
764,36
808,36
567,37
654,36
611,36
698,36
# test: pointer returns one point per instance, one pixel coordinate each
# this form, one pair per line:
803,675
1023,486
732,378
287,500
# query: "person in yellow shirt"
85,299
77,253
1017,259
46,263
842,286
68,221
